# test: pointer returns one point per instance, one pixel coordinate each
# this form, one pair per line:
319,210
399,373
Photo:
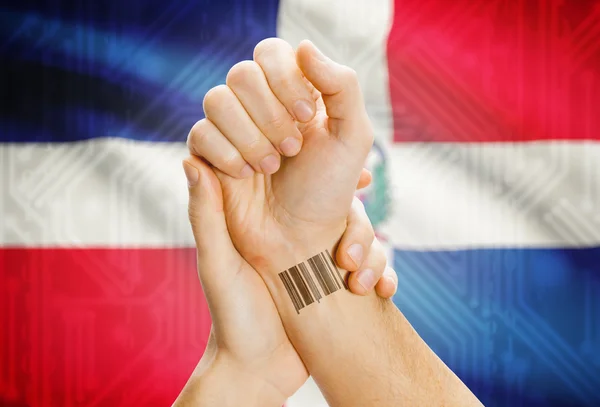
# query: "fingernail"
303,110
355,252
290,146
247,171
366,278
191,173
269,164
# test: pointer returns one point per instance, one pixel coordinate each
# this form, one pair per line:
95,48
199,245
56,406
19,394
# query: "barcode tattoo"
312,280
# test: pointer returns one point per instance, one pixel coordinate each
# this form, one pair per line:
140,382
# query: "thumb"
337,83
218,260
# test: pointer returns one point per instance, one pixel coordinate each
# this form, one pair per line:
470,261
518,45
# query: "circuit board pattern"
96,326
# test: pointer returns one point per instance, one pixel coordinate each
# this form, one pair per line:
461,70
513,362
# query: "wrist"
307,280
219,380
297,247
250,387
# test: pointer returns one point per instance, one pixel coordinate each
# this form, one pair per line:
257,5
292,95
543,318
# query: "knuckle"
358,206
197,135
379,257
263,48
242,72
368,237
252,146
366,227
370,233
351,80
216,98
350,75
232,160
282,86
285,83
276,123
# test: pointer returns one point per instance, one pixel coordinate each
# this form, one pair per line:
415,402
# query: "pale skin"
248,349
274,213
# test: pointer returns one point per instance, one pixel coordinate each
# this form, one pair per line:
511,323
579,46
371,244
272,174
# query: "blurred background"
486,186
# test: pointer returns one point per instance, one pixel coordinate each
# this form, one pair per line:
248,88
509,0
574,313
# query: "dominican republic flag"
486,186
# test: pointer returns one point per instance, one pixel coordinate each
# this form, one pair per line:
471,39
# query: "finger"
337,83
388,283
357,238
205,140
340,91
247,80
363,281
223,108
278,61
365,179
218,261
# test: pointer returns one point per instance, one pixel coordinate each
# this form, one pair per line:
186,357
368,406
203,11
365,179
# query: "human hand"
282,213
248,340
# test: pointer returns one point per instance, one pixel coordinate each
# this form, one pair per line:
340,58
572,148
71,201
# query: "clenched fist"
307,107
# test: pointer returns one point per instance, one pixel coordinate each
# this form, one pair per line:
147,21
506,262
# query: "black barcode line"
323,270
302,288
311,284
289,287
330,268
299,281
313,266
337,271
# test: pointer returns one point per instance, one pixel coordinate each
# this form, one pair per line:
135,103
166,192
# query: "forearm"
217,381
362,351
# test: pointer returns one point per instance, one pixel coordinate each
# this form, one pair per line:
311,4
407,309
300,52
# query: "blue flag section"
522,328
108,69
